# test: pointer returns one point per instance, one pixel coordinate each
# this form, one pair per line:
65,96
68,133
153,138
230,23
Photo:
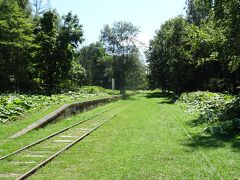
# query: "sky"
148,15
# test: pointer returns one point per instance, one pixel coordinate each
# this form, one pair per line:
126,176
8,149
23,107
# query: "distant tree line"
39,52
200,51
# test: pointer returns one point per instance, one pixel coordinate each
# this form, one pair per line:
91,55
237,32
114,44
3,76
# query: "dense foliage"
119,41
36,52
97,64
40,52
57,42
199,51
100,68
220,111
14,105
16,45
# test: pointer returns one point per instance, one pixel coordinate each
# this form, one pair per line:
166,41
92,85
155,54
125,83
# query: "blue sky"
146,14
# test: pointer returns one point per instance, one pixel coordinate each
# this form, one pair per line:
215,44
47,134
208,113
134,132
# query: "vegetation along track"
27,160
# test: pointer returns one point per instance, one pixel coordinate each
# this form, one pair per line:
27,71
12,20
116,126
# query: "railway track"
25,161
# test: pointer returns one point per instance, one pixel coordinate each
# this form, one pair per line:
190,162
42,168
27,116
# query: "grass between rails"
151,139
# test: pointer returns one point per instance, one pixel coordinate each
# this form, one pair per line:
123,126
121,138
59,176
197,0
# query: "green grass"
13,105
152,139
8,129
8,145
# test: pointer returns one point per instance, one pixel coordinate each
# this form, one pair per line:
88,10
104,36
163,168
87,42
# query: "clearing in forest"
150,138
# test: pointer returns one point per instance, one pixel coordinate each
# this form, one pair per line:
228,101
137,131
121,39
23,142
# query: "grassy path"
152,139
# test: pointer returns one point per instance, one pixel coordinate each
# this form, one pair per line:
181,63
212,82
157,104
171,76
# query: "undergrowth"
14,105
220,111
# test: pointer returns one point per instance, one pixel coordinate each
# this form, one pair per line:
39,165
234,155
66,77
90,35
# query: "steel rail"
33,170
51,135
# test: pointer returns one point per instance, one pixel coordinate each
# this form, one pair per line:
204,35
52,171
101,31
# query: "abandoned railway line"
25,161
144,136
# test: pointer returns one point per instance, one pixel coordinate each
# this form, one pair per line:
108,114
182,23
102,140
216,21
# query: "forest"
40,52
111,109
200,51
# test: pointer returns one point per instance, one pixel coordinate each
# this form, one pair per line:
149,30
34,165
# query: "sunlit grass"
152,139
8,129
8,145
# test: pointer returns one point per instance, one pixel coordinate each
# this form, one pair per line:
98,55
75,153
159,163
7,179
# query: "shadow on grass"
214,140
159,95
195,122
128,97
168,101
201,139
169,97
236,144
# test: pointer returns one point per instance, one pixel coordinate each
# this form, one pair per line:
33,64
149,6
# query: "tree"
58,43
16,47
97,63
199,11
200,52
170,62
136,72
119,42
227,15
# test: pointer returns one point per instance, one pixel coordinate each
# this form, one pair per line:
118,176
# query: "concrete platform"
65,111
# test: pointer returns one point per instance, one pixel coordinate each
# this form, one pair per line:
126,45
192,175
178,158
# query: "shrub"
220,111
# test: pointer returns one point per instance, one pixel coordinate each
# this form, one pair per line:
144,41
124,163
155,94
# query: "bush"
220,111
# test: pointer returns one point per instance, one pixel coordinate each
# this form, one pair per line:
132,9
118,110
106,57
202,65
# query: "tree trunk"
122,79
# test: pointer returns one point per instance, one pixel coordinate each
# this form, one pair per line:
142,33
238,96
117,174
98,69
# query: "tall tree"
170,62
199,11
119,41
58,43
97,63
136,72
201,52
16,43
227,16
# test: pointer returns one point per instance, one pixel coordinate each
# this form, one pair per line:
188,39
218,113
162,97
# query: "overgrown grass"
9,145
10,127
13,106
152,139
